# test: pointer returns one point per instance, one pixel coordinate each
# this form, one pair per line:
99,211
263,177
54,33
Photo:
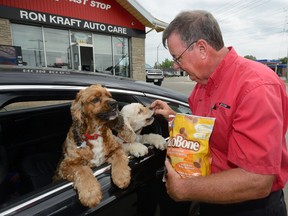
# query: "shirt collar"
222,69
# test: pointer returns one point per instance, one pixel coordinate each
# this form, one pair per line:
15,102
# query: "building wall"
5,32
138,58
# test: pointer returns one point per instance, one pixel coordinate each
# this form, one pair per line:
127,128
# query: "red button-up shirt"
249,103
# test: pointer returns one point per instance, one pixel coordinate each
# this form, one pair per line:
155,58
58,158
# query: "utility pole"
158,55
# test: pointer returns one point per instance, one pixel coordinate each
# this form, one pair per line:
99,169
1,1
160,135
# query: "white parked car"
154,75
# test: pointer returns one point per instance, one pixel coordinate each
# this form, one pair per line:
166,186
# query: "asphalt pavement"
185,85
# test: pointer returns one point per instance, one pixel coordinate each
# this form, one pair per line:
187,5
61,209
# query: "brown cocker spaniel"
90,143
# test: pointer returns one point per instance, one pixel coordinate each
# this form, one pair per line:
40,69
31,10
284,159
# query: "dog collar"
91,137
87,137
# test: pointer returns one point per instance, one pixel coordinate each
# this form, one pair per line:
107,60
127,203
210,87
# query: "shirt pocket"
223,113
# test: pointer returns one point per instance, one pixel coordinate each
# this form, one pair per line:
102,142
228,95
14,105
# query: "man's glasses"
177,60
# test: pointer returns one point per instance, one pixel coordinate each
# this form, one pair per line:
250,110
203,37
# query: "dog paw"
160,143
89,193
122,177
137,149
154,139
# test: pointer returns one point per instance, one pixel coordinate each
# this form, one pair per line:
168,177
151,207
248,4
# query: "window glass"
121,56
31,104
81,37
30,39
178,108
57,48
102,53
110,53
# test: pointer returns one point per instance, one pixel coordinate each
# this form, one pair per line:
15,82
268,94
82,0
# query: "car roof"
28,76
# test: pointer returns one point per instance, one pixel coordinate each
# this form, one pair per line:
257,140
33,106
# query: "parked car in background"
169,74
154,75
34,120
178,73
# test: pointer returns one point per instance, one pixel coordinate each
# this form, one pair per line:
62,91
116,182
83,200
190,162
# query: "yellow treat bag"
188,146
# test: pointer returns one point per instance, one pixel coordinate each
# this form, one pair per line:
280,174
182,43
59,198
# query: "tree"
250,57
283,60
166,63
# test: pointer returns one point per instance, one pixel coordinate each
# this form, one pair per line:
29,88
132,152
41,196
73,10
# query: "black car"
34,120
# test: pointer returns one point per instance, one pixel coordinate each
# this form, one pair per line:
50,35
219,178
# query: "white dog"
138,116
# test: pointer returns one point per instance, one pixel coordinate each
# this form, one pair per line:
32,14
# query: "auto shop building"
97,36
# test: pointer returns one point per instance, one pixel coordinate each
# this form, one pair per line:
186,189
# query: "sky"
253,27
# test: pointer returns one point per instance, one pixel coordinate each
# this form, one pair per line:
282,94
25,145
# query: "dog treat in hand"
188,146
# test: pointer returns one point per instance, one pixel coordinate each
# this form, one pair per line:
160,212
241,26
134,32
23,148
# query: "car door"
30,133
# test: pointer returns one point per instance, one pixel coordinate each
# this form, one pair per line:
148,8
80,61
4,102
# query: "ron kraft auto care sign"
89,15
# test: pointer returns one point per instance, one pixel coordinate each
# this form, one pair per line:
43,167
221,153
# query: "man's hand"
173,181
162,108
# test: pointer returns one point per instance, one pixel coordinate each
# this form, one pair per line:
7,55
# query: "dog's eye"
95,100
140,111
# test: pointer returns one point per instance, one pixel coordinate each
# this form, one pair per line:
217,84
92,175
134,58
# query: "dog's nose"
112,104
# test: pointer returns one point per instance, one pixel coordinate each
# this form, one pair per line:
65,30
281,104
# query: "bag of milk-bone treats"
188,145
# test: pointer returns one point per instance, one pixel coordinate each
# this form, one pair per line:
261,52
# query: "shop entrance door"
86,54
82,58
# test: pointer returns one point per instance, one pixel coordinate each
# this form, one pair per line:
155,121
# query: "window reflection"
47,47
31,41
57,48
121,56
81,37
103,53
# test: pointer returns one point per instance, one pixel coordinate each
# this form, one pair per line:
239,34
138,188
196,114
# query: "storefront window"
57,48
109,54
30,39
121,56
103,53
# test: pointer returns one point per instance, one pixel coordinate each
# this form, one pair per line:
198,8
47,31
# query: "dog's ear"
123,129
117,124
127,133
77,118
76,109
125,112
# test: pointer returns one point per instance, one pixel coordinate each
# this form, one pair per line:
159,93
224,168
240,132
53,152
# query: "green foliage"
283,60
165,64
250,57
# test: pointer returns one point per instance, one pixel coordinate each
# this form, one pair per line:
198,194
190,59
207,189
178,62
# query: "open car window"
33,127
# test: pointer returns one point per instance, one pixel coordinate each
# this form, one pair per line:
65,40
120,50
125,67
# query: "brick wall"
138,58
5,32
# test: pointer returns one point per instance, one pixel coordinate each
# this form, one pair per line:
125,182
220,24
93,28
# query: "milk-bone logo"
179,142
94,4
